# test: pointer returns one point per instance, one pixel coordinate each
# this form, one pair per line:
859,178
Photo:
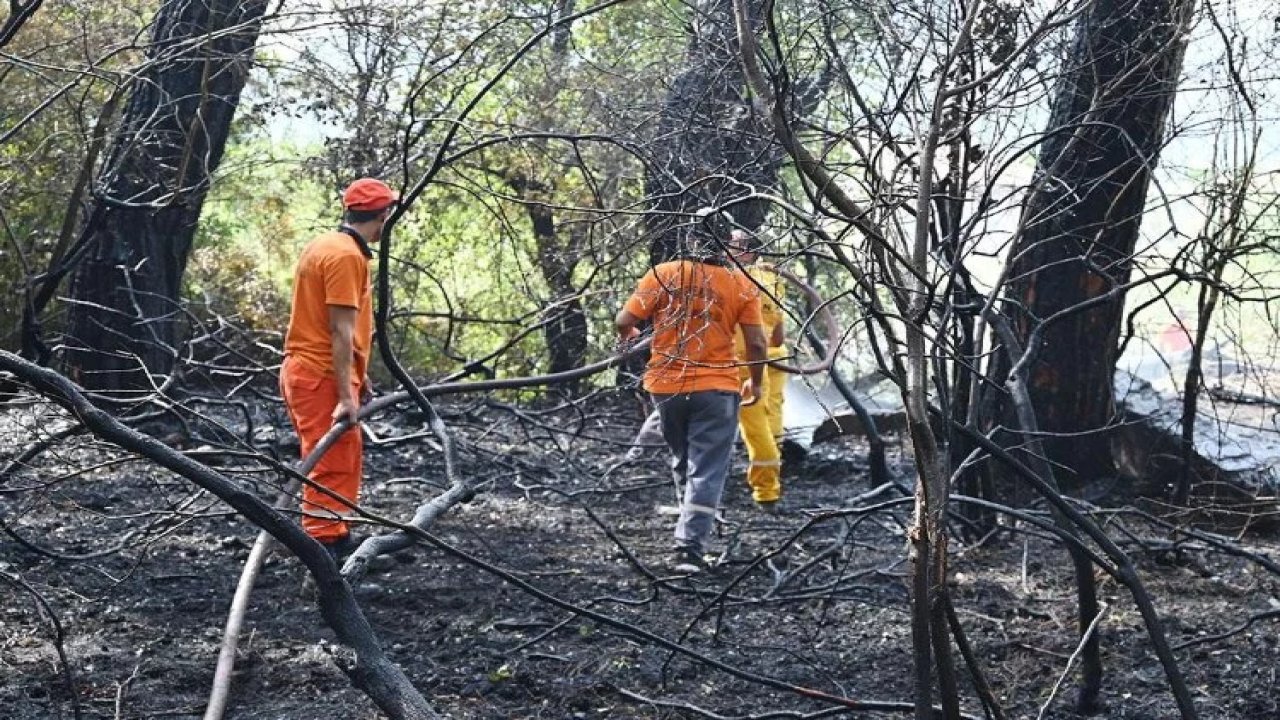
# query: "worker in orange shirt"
695,304
761,423
327,348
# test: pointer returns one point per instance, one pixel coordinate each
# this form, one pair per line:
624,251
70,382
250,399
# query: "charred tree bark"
712,148
566,328
124,326
1081,218
1080,226
558,251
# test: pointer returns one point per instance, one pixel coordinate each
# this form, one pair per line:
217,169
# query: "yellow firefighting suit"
774,381
761,423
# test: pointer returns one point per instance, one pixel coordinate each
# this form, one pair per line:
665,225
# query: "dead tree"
557,246
1078,231
138,233
1081,218
712,146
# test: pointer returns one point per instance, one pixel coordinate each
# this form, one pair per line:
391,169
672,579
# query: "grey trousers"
699,428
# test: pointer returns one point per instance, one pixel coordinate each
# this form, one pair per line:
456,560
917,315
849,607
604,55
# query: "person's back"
331,270
695,308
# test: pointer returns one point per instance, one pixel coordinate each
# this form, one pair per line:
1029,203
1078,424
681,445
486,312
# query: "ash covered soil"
813,598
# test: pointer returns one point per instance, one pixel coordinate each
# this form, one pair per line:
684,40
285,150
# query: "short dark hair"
360,216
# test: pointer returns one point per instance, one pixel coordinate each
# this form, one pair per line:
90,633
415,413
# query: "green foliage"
226,283
469,273
257,217
374,88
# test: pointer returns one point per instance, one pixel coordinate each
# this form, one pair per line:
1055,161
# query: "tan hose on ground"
221,688
248,576
829,328
220,691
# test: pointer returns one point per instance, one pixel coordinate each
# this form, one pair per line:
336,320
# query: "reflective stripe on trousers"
699,429
765,469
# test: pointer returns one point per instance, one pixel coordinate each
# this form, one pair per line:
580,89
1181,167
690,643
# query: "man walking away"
761,423
695,304
327,349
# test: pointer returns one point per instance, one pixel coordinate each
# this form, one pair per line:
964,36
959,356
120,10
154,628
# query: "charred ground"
564,513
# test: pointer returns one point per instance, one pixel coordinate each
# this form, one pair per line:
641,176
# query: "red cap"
368,194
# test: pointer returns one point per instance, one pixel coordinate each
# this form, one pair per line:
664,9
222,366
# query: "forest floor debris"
142,626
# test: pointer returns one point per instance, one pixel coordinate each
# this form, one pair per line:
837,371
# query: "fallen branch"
1248,623
460,489
372,672
59,636
357,564
1124,571
1071,661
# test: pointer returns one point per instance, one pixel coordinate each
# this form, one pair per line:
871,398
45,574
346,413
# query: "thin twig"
1084,640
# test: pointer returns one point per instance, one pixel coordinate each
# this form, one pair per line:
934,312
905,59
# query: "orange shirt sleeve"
343,280
750,314
644,301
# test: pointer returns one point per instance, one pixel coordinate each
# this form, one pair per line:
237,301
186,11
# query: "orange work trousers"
764,468
310,398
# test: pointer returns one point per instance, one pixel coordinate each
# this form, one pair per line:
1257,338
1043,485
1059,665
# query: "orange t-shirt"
331,271
695,308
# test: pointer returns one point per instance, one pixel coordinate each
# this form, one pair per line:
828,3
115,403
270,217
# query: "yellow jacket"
773,287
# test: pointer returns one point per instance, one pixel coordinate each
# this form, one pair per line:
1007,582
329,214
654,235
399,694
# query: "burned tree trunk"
1081,219
1073,256
124,322
711,147
566,327
557,249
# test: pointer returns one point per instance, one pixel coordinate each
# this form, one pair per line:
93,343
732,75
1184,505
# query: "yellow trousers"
756,423
774,382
